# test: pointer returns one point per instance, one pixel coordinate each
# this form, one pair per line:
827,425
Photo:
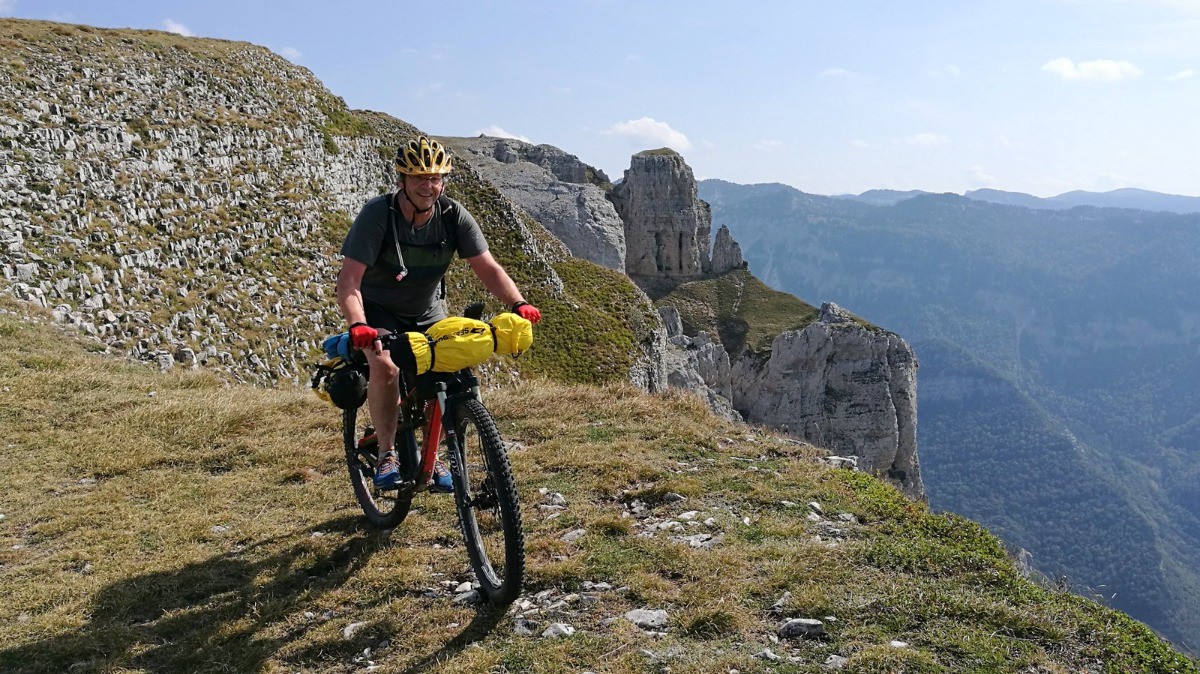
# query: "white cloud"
768,145
1102,69
172,26
646,130
926,139
858,142
496,132
7,7
290,53
947,71
978,176
1003,141
1182,75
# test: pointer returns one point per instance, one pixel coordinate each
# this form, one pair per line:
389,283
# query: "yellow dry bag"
455,343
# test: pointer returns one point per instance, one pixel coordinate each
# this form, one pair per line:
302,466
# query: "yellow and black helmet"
422,156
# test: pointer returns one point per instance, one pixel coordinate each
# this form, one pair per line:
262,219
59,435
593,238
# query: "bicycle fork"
435,410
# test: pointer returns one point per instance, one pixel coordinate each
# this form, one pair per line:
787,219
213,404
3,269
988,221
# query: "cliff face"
667,226
559,191
835,382
841,386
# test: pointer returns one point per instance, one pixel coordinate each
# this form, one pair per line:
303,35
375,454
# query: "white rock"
834,662
647,619
768,655
801,627
350,630
558,630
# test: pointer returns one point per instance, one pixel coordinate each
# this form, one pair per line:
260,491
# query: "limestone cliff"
667,226
699,364
835,381
839,385
562,193
183,200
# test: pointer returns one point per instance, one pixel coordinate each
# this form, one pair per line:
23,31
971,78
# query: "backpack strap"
451,231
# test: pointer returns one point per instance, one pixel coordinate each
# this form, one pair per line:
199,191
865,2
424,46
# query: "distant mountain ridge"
1142,200
1088,322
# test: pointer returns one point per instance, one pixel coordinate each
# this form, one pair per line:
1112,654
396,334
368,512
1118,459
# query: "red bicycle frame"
433,437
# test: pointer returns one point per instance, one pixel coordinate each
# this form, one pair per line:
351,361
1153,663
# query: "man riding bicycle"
394,262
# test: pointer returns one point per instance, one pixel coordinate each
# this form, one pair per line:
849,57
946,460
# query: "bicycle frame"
435,412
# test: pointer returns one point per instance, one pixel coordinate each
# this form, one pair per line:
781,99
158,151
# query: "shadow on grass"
228,613
484,622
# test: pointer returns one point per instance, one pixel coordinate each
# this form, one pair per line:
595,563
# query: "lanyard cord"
396,238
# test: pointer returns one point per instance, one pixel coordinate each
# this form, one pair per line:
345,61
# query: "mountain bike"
446,409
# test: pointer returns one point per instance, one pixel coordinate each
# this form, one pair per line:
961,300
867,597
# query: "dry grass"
171,522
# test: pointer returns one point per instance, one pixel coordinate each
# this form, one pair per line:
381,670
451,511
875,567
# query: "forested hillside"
1090,318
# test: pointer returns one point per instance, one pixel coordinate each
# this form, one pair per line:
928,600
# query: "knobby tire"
489,510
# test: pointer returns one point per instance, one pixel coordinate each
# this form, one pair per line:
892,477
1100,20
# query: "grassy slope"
738,307
170,522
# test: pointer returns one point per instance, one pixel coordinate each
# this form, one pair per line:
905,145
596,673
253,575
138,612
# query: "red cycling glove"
527,311
362,336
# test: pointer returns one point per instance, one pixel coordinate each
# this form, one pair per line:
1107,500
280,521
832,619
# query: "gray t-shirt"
427,252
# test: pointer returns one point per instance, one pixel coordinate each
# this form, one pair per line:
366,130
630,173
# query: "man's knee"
384,370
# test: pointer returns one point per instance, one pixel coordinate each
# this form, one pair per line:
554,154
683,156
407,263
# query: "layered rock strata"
562,193
182,199
835,383
842,386
667,226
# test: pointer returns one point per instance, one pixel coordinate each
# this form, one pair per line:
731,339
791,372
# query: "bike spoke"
488,508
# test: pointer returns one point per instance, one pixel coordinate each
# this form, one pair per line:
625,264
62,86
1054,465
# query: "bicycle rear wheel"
488,508
385,509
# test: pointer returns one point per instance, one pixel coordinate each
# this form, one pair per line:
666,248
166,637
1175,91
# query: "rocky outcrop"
667,226
699,364
650,371
117,171
835,383
726,254
562,193
842,386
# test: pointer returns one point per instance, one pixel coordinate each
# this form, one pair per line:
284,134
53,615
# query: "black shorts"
384,319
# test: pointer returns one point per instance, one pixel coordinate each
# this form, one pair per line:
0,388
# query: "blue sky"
832,97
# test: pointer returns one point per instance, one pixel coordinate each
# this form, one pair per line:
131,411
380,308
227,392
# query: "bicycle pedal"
400,485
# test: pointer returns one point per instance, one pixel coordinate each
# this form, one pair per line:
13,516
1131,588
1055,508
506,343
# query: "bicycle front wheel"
488,508
385,509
